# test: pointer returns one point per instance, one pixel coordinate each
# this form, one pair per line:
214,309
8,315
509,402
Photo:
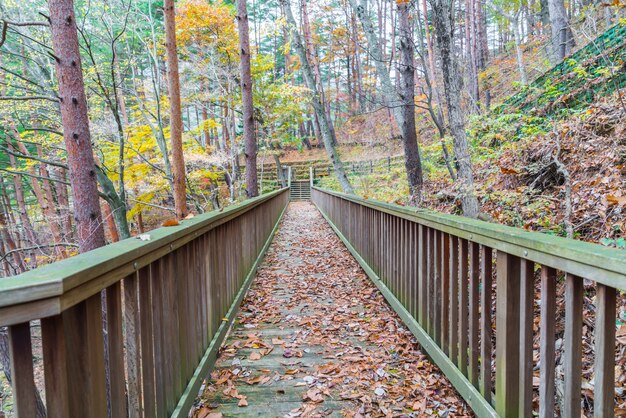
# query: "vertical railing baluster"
132,330
454,299
463,305
507,335
486,301
85,355
527,288
438,295
55,367
115,329
444,263
23,380
546,348
604,378
147,342
430,279
572,343
158,271
474,279
423,274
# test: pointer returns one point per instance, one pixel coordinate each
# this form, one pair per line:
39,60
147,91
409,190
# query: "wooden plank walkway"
314,337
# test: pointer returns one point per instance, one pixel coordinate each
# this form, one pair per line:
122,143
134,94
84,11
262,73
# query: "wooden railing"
437,272
161,306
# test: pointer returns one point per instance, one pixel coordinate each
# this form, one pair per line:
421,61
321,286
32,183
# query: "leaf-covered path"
314,337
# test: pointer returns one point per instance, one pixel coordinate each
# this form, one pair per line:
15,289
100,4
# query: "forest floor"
314,337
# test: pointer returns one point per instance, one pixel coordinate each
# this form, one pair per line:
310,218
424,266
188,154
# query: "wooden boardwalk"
315,338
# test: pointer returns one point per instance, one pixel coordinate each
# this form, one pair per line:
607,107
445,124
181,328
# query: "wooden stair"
300,190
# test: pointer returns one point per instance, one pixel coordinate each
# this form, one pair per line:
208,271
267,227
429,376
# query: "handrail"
132,328
48,288
606,265
438,273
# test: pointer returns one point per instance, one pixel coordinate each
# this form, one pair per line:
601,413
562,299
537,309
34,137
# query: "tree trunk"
21,203
518,50
316,101
544,16
472,49
402,104
176,116
443,22
73,104
47,207
249,136
64,204
562,38
412,160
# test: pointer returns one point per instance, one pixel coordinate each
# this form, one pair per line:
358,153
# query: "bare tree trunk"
76,134
19,198
518,50
412,160
472,47
402,103
47,207
317,103
315,65
249,135
562,38
64,204
443,22
176,116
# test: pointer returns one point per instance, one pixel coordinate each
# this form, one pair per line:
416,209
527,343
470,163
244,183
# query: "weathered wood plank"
445,292
547,343
454,299
117,380
604,366
572,342
85,355
147,339
132,343
55,367
486,299
527,282
463,305
507,335
474,301
23,382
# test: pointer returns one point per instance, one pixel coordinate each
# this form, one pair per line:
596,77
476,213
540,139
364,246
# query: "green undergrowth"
594,71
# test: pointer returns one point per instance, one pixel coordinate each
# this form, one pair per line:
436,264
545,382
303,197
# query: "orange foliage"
202,25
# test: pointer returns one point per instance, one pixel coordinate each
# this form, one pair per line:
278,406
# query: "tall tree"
176,116
318,106
249,135
412,159
73,104
562,38
401,102
443,20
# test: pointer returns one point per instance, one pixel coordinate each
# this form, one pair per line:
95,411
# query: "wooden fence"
437,272
162,304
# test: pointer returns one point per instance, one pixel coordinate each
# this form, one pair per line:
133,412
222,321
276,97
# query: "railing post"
289,176
311,176
507,335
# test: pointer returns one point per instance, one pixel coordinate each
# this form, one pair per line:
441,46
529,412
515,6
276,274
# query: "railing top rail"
53,288
592,261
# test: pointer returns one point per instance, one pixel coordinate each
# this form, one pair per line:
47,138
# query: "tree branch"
52,99
21,173
8,22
